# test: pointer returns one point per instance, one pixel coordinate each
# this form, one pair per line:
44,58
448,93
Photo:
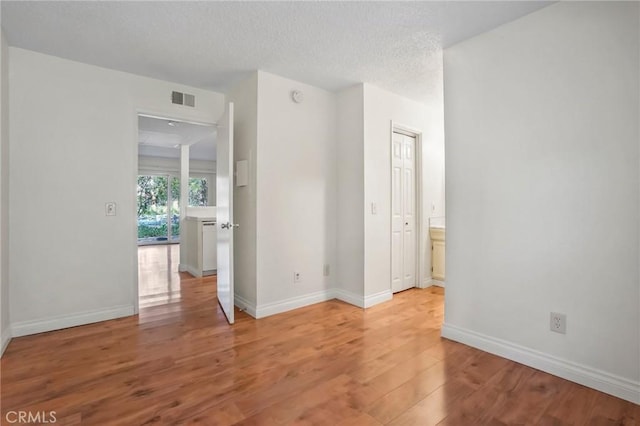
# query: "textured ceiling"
211,45
156,138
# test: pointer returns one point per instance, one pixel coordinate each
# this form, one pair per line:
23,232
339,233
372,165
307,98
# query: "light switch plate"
110,208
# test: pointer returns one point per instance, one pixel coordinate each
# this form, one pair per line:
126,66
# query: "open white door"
224,211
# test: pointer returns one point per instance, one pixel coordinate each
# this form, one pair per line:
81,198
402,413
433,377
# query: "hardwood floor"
158,276
326,364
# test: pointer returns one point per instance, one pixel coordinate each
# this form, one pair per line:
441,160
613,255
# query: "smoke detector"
297,96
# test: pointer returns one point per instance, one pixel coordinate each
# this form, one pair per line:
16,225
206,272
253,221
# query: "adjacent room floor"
326,364
158,276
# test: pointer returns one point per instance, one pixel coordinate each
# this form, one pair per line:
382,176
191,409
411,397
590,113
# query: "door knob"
229,225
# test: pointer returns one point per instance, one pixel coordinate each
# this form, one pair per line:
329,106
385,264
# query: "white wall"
245,132
365,114
543,192
308,167
380,108
296,190
73,148
5,332
350,227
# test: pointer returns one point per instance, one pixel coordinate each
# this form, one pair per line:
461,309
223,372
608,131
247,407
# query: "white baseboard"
6,338
436,283
597,379
348,297
64,321
380,297
265,310
430,281
426,282
245,305
268,309
191,270
362,301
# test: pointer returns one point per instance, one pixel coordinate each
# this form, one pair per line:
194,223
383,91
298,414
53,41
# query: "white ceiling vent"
180,98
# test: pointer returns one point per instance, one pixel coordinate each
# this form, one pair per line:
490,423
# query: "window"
198,192
159,205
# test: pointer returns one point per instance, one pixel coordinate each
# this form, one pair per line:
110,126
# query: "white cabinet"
209,247
200,246
437,253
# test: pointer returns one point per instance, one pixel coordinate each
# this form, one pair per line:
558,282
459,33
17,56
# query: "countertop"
203,219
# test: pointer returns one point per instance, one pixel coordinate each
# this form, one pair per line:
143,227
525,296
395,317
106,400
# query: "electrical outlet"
558,323
326,271
297,277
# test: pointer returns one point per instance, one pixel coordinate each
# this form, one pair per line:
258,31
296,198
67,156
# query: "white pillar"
184,202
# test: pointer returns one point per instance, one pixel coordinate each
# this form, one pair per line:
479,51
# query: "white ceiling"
213,44
157,138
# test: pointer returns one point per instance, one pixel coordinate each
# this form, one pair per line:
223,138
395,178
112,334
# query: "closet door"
403,212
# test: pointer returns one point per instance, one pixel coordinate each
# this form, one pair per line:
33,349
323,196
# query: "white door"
403,212
224,211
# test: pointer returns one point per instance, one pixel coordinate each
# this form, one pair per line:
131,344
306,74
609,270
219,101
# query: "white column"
184,202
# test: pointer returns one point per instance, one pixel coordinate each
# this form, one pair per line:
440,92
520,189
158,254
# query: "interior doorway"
406,215
167,148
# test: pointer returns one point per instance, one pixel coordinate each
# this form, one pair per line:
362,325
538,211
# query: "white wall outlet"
297,277
558,323
110,208
327,270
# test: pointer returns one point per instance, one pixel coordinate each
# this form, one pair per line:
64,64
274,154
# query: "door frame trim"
420,245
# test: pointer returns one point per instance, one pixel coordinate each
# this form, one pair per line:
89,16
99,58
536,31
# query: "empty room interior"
327,213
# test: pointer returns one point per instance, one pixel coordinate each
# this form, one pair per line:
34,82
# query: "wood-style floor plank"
179,362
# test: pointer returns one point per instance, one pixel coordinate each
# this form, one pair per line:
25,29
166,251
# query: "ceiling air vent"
180,98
